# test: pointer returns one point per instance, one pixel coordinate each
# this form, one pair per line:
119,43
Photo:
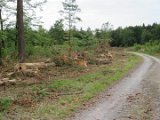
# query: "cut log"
13,81
50,64
5,79
32,67
10,74
2,83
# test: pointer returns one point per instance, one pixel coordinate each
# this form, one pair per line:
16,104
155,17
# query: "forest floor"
57,92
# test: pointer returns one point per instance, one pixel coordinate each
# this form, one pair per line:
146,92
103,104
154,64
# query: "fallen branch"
74,93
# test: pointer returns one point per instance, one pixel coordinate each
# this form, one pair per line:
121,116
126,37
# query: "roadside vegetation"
151,48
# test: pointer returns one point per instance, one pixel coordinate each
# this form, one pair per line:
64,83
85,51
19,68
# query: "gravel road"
136,97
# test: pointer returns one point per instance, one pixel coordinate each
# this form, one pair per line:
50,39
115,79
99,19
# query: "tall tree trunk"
69,34
15,43
1,53
20,30
1,22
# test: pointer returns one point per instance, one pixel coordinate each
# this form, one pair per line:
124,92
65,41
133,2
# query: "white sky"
96,12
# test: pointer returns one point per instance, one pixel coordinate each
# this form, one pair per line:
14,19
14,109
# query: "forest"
130,36
64,65
144,38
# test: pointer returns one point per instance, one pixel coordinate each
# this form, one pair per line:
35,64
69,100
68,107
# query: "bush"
152,47
137,47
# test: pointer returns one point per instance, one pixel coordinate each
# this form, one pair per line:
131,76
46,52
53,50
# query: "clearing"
57,92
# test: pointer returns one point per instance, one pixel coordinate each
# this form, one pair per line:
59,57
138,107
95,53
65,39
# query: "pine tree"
20,30
70,8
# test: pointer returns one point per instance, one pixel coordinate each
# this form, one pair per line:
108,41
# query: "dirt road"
136,97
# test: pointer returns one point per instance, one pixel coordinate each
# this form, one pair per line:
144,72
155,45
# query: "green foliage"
146,36
65,85
138,34
57,32
46,51
5,103
152,47
43,43
86,38
137,47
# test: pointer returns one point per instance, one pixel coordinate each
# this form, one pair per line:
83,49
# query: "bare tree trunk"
15,43
69,35
1,22
20,30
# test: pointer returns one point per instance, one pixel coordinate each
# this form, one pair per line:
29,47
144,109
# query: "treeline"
135,35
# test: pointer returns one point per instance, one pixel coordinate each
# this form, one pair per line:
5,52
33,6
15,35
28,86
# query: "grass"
5,103
90,85
57,99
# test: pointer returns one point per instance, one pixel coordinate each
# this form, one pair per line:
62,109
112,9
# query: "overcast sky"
96,12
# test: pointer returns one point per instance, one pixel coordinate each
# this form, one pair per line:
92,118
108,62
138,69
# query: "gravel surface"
136,97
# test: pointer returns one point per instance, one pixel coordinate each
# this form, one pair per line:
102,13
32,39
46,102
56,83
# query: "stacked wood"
104,58
109,55
80,58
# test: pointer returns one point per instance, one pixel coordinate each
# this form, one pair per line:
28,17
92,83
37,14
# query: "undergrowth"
151,48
